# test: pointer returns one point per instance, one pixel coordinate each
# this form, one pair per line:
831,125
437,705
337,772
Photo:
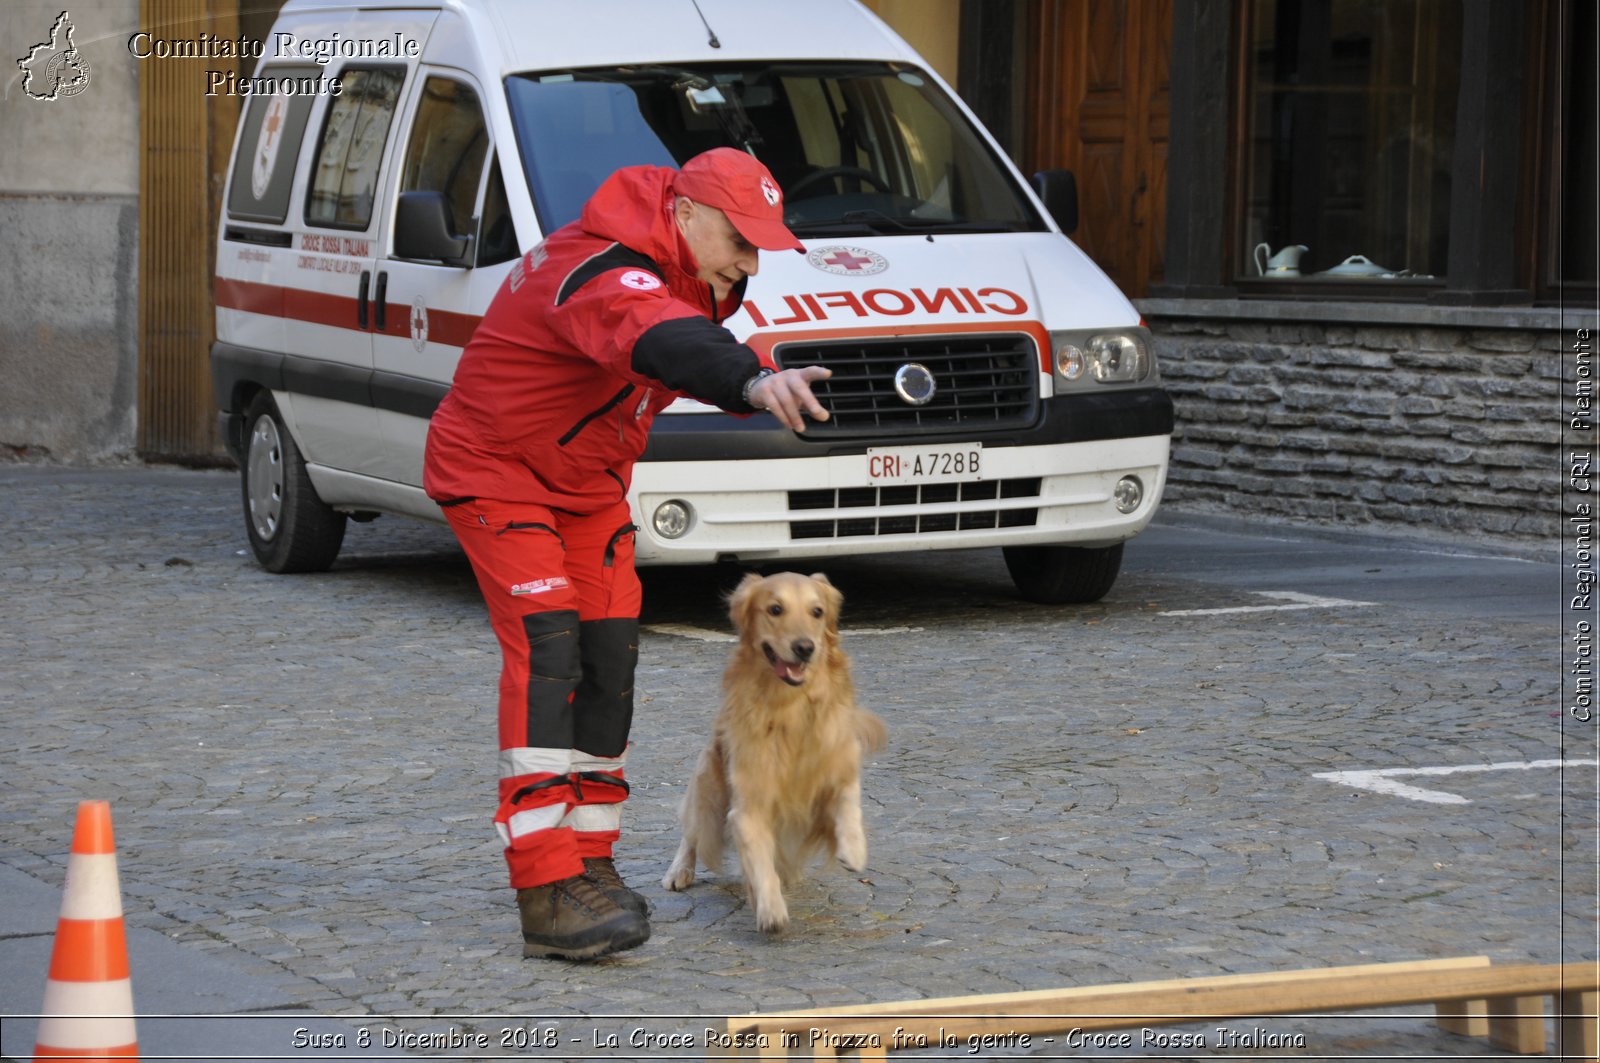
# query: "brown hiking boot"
602,871
573,920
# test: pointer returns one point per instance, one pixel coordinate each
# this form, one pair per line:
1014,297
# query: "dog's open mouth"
793,673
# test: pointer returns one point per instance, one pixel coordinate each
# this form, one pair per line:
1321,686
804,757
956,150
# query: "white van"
990,388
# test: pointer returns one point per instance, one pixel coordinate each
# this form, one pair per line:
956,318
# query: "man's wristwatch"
750,385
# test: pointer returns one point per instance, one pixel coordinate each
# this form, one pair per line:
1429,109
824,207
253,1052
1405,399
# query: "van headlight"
672,519
1070,361
1086,359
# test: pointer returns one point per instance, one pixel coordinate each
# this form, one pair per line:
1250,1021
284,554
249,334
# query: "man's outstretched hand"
787,396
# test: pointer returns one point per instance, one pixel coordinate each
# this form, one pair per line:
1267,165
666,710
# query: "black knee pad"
603,704
554,672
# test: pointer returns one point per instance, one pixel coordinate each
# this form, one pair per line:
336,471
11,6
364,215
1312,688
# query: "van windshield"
859,148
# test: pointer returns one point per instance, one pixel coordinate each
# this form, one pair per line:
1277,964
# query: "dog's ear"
739,599
832,599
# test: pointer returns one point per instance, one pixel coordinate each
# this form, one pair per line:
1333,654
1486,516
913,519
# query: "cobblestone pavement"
301,770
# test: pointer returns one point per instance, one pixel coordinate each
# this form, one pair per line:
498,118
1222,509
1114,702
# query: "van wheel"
1063,575
290,528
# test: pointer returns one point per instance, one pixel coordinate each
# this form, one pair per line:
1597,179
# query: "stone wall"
69,215
1444,423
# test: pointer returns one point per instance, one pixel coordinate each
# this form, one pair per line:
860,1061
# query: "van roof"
545,34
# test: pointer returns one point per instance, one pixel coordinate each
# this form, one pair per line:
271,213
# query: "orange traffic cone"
88,997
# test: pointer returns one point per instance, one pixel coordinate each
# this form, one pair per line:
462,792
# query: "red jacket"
594,332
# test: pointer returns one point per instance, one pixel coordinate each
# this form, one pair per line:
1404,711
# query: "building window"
1570,210
1346,138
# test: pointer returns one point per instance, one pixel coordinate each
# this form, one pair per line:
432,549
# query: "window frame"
487,166
378,191
1496,238
281,181
1238,273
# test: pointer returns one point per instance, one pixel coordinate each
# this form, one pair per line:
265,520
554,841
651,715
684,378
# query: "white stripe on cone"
92,891
87,1015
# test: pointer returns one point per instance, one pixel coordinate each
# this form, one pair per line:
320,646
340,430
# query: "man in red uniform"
596,330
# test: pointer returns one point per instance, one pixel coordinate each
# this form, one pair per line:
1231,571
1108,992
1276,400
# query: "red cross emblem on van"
848,261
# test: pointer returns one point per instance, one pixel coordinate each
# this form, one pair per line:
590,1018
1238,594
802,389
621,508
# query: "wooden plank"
1517,1024
1577,1036
1184,1001
1469,1018
1034,999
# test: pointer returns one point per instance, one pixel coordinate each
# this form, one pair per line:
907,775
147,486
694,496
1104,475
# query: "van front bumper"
1052,484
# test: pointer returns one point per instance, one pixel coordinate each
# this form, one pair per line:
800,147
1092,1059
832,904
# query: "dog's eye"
775,609
816,611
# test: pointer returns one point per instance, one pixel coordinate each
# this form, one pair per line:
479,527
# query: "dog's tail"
870,730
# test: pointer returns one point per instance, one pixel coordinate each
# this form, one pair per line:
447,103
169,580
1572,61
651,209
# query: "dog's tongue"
793,674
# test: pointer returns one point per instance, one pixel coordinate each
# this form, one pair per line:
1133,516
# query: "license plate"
944,463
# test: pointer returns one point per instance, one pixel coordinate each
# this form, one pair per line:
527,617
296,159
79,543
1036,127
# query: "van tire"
290,528
1063,575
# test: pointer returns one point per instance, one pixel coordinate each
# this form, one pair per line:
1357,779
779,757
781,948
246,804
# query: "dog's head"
793,620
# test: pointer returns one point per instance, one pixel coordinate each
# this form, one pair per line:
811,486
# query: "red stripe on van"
248,296
444,326
277,301
338,311
316,308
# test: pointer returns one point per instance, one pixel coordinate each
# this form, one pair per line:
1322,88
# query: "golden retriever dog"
782,772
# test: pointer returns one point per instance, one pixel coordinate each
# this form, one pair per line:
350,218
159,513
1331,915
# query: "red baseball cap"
738,185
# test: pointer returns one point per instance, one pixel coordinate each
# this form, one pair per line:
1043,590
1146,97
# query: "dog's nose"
804,648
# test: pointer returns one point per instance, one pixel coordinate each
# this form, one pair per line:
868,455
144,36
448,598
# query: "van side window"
497,234
269,145
344,178
448,144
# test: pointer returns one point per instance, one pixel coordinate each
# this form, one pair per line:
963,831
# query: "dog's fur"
782,773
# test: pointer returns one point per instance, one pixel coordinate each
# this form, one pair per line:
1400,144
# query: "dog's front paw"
852,851
680,873
772,917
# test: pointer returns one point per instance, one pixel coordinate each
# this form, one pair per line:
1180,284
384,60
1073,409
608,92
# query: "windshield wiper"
875,218
831,227
879,221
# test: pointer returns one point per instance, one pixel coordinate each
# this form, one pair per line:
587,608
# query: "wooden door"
1100,78
184,141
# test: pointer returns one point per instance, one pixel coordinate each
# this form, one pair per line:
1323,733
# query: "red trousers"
563,599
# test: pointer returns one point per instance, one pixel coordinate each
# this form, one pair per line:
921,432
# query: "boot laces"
585,894
603,873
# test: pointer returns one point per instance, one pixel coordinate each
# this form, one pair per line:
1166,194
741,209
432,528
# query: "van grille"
984,382
902,509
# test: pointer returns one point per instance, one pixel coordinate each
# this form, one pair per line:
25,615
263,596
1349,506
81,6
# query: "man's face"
724,257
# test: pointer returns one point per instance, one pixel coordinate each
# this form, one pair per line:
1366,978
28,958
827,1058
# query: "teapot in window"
1286,263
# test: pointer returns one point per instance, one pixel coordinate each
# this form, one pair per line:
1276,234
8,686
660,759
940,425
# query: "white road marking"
1292,600
1382,780
688,631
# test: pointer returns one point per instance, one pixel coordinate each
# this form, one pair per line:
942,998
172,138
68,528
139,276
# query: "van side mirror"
1059,190
423,228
